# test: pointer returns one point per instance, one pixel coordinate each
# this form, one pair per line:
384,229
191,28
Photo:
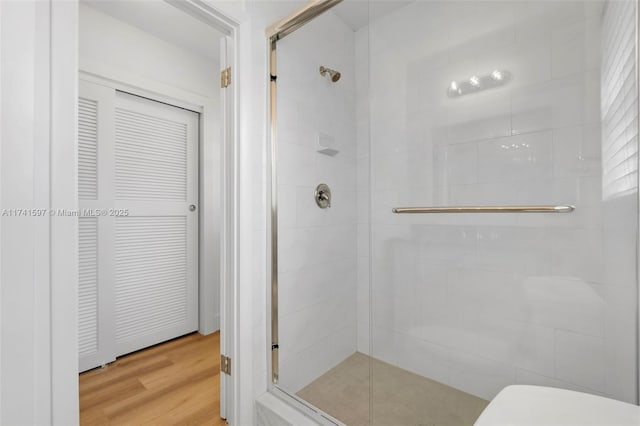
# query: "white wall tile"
576,151
527,156
306,247
364,340
568,50
551,104
528,60
580,359
326,352
461,161
421,357
382,344
579,253
564,303
525,377
363,240
488,115
287,206
296,165
300,290
480,376
363,290
536,349
302,329
572,47
363,207
433,290
525,251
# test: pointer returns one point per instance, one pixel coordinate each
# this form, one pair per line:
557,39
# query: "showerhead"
333,74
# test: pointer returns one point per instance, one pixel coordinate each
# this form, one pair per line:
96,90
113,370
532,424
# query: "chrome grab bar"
486,209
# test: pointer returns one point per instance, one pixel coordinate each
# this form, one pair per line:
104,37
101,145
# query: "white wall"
24,255
38,255
317,261
38,285
51,395
115,50
108,44
480,302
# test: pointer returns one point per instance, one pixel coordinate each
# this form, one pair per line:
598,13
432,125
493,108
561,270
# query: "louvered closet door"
138,272
96,341
155,246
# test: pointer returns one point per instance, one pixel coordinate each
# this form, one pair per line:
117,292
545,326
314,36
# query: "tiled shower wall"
317,248
483,301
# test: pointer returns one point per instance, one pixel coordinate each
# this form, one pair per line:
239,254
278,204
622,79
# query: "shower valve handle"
323,196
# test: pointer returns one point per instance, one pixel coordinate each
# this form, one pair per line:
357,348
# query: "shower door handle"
486,209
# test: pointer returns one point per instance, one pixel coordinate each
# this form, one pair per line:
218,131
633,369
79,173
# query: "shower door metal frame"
274,33
637,334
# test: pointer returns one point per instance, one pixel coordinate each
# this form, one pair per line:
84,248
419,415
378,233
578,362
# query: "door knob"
192,207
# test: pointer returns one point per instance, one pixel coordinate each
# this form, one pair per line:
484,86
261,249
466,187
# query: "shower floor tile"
399,397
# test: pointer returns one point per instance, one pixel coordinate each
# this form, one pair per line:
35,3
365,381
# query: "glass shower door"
457,209
316,359
525,106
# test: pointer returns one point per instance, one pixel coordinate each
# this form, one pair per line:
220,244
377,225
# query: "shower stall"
453,205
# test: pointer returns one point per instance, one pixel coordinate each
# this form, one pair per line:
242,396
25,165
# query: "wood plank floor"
174,383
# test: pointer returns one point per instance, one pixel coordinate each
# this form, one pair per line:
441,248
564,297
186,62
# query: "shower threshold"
365,391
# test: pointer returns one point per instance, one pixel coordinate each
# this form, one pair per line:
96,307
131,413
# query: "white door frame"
64,246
